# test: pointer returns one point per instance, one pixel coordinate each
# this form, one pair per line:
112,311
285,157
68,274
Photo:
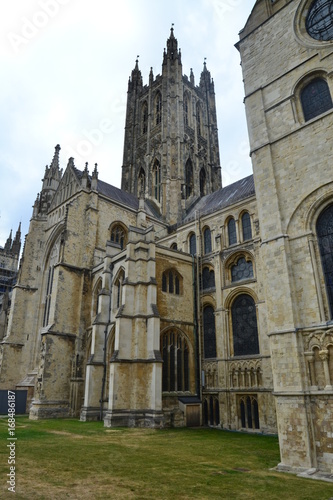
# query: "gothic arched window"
209,332
119,235
232,237
175,355
199,119
319,20
141,183
244,326
202,182
315,98
157,180
186,109
158,108
49,275
193,244
249,412
246,226
207,240
144,117
188,178
242,270
325,240
118,287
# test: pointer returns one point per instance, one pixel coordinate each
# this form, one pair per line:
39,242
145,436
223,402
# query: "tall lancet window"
199,119
202,182
185,109
158,108
48,284
189,178
325,241
141,183
144,117
157,181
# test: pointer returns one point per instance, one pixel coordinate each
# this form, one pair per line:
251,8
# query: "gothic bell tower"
171,151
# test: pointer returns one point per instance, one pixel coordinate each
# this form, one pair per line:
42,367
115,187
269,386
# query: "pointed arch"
144,117
95,297
199,118
118,287
186,108
118,234
203,181
158,108
175,355
141,183
156,180
188,178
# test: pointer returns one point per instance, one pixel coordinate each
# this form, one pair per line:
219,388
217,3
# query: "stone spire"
135,80
16,246
172,53
8,244
206,82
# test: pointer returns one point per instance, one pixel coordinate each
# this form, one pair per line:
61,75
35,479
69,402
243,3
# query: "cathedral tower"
171,152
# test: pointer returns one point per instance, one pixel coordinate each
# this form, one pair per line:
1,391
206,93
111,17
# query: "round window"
319,21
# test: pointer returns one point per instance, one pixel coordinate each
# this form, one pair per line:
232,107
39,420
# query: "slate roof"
124,198
222,198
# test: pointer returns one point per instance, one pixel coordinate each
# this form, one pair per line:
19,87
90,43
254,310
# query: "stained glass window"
209,332
158,106
244,326
207,240
242,270
189,178
144,117
319,21
193,244
246,226
232,232
325,240
315,98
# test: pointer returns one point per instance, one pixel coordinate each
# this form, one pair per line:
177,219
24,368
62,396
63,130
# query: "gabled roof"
222,198
118,195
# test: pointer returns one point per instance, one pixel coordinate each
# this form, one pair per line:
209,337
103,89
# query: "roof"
222,198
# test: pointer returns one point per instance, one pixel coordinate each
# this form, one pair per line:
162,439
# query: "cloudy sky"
65,67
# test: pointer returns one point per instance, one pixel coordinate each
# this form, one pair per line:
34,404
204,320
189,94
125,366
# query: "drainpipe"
104,348
197,296
196,338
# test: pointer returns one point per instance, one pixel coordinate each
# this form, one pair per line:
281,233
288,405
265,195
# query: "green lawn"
71,459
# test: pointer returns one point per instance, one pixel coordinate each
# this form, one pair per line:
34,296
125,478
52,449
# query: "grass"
58,459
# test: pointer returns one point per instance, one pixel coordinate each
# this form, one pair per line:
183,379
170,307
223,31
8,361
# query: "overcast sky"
65,67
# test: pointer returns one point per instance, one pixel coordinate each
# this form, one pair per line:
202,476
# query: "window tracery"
244,326
175,355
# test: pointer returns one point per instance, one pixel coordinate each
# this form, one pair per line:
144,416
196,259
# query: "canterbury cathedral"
175,301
